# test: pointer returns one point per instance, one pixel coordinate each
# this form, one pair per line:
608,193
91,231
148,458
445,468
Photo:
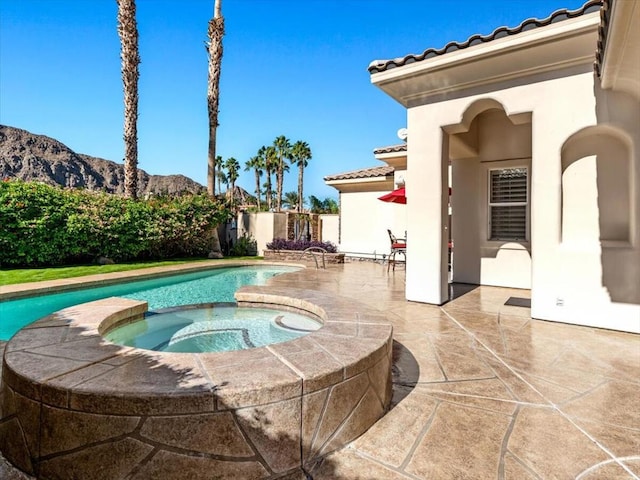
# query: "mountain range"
31,157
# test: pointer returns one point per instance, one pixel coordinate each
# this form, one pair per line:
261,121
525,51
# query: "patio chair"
398,246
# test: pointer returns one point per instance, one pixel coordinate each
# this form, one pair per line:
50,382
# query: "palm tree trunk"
211,165
258,187
279,176
215,32
300,174
128,33
269,194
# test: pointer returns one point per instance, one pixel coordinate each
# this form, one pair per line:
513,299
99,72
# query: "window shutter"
508,204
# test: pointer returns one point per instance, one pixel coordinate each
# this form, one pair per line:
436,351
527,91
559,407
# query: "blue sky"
291,67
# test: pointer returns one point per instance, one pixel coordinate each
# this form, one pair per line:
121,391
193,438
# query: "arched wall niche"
597,187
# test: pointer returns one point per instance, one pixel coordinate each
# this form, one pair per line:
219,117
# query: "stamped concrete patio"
482,391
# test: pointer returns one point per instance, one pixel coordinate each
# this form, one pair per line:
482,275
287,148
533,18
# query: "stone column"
314,225
291,232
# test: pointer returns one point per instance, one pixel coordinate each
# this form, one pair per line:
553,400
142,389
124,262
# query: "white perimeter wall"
364,221
330,229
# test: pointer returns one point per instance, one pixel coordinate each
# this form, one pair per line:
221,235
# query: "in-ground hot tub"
212,327
74,405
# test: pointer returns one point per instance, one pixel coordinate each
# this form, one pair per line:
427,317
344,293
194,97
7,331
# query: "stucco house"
364,219
537,130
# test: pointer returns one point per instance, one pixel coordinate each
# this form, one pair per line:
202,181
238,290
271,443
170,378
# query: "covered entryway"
490,157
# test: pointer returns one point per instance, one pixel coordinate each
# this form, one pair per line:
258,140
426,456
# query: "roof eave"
397,160
554,47
371,184
380,178
620,69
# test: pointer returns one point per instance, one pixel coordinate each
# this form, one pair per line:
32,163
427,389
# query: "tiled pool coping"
30,289
73,403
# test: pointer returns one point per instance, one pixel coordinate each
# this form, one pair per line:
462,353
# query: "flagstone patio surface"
482,391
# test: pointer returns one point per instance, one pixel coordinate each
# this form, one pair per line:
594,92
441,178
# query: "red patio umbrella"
397,196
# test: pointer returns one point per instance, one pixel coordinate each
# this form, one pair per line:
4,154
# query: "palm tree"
316,204
128,33
214,51
268,202
270,165
282,147
300,156
262,155
290,200
219,174
257,164
221,177
330,205
233,172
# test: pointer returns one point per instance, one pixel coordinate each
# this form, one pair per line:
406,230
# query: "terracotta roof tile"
391,149
559,15
362,173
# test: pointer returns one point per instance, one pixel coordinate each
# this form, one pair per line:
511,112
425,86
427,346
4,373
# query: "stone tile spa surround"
73,405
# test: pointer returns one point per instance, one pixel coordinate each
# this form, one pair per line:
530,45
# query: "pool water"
215,285
213,329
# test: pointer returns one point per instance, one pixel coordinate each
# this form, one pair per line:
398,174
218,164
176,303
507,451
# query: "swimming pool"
208,286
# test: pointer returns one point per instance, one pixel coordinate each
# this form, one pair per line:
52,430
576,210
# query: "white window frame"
491,204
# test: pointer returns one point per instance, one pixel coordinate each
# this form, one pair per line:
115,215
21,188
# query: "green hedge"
41,225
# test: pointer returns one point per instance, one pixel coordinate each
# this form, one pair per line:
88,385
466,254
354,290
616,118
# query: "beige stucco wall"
364,221
263,227
591,283
330,230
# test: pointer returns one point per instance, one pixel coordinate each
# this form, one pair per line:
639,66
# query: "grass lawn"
24,275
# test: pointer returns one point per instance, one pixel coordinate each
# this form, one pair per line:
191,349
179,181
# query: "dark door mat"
518,302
